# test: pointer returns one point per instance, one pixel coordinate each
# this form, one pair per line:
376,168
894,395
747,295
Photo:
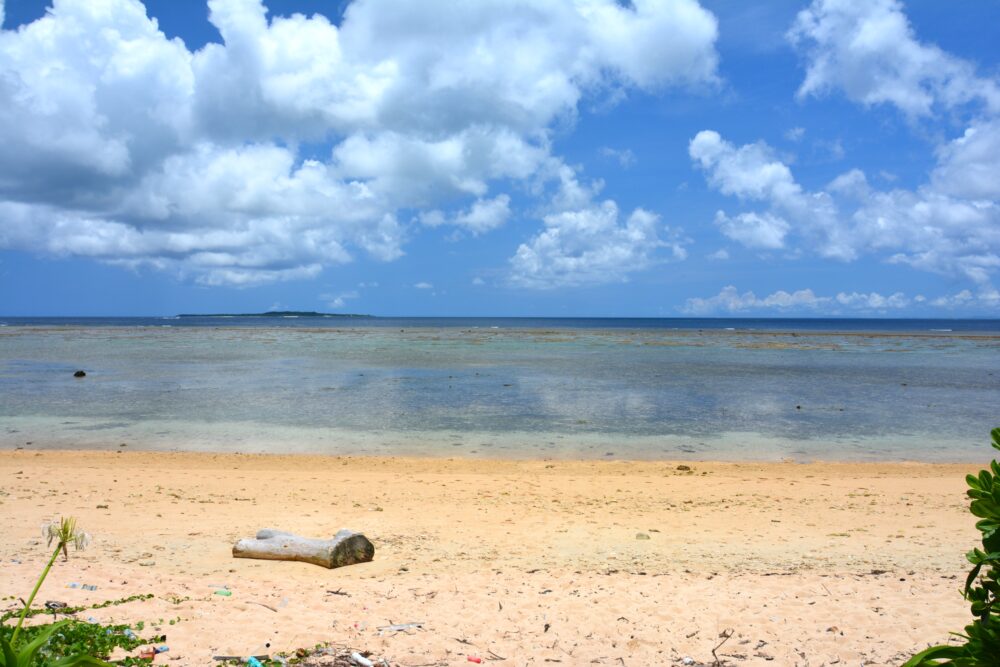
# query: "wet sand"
532,561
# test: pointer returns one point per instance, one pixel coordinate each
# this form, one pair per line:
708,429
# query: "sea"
593,388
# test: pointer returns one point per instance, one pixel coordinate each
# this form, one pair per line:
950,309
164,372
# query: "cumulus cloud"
873,300
754,173
753,230
951,223
870,52
968,166
936,227
124,146
590,246
484,215
989,298
729,300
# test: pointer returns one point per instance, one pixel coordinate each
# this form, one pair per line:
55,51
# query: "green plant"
981,646
73,610
12,654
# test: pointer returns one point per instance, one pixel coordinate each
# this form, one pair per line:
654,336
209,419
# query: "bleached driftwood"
346,548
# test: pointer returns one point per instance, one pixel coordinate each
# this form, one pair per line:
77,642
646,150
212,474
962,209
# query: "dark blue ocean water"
668,323
643,388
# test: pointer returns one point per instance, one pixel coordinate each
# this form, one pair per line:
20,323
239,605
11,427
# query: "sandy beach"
531,561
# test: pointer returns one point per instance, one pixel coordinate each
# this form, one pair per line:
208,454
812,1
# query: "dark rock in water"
80,374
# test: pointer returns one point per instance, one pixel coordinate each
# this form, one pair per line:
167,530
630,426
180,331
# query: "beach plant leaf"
27,653
16,653
7,652
980,645
25,656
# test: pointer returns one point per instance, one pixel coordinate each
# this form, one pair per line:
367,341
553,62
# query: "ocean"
724,389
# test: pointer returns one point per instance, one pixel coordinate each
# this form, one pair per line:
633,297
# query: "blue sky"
653,158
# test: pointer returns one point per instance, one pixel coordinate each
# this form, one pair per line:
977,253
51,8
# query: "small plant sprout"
63,532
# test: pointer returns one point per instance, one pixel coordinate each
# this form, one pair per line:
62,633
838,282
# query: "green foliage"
74,610
80,641
981,647
24,655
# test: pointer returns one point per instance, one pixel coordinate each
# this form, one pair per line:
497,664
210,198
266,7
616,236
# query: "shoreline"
111,433
530,559
486,459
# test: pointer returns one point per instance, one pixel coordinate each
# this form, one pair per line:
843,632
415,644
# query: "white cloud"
927,228
987,297
754,173
730,300
868,50
749,172
719,255
951,223
873,300
483,216
423,285
968,167
128,148
754,231
589,246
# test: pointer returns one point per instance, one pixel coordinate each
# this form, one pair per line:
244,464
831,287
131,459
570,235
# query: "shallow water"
652,392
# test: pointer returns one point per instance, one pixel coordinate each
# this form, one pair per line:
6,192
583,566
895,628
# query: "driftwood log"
346,548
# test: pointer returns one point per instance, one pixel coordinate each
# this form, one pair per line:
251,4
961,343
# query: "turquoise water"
650,392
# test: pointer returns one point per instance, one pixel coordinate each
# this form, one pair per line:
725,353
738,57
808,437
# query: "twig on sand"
339,592
494,656
265,606
725,634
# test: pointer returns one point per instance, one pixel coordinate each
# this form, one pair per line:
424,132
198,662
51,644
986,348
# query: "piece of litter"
399,627
72,585
147,653
223,658
162,649
475,659
254,662
361,660
687,661
129,633
223,592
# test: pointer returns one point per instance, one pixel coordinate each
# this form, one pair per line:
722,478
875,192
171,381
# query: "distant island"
275,313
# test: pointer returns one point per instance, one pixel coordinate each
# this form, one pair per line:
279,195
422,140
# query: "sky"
653,158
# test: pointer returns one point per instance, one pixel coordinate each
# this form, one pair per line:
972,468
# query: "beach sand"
532,561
